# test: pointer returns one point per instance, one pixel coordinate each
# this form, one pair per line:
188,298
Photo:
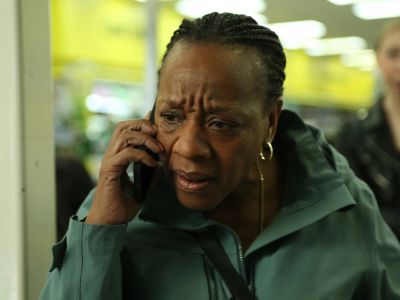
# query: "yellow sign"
324,81
107,33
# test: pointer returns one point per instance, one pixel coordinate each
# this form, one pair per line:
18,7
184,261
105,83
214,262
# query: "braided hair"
241,30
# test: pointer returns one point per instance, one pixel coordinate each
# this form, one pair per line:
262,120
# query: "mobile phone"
142,173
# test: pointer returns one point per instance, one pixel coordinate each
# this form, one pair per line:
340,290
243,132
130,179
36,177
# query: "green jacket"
328,241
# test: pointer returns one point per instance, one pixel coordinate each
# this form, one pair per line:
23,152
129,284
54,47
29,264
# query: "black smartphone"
142,174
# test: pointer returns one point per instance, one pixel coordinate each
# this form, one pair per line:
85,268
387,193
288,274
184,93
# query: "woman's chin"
198,203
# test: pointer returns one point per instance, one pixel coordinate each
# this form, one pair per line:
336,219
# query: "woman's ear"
273,119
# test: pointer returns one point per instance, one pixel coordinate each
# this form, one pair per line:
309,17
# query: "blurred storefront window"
99,65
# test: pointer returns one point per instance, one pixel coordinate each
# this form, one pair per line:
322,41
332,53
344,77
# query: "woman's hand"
114,201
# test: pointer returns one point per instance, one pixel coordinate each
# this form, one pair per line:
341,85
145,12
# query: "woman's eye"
393,53
220,125
169,117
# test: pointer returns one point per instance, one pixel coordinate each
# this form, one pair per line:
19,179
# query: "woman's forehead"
188,84
211,65
390,38
213,52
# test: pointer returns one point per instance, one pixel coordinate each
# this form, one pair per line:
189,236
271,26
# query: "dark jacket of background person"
73,183
328,241
368,146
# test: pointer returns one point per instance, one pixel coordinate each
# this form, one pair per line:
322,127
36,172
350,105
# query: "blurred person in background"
372,145
73,183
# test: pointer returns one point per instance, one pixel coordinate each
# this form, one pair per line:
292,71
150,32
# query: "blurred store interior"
105,54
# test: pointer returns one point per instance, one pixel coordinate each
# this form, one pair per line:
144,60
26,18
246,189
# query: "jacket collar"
313,188
308,161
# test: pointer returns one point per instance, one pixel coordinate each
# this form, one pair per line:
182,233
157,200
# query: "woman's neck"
241,210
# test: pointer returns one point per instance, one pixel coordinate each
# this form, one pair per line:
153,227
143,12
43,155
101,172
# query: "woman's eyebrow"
232,107
212,107
171,102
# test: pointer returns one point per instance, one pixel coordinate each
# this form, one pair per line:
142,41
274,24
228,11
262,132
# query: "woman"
288,213
372,145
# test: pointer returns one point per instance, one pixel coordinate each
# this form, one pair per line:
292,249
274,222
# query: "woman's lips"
192,181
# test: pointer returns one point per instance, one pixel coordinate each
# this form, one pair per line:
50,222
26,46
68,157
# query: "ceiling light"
334,46
293,35
369,10
196,8
144,1
362,59
260,18
342,2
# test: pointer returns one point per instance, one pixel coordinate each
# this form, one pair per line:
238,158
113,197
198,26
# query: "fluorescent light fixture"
362,59
96,126
342,2
144,1
374,9
197,8
260,18
108,105
293,35
334,46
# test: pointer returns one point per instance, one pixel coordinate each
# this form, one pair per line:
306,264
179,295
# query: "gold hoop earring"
267,151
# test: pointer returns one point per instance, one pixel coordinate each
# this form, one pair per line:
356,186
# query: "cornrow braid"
235,29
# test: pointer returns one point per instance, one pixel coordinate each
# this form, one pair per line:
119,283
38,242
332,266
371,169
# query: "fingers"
126,146
134,140
141,125
114,166
129,155
133,133
133,125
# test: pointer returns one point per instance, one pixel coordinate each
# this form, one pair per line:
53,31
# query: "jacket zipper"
242,264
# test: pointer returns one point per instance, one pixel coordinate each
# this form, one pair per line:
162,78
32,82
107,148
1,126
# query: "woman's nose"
192,142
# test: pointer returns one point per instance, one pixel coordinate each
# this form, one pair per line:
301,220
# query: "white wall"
38,142
11,225
27,222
